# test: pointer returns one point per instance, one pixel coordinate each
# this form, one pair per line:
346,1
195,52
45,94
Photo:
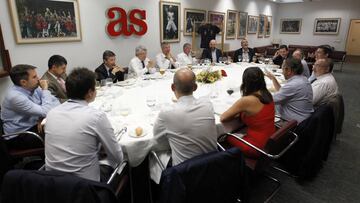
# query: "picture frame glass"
217,18
38,21
193,17
242,26
261,27
268,24
328,26
231,22
169,21
290,26
253,23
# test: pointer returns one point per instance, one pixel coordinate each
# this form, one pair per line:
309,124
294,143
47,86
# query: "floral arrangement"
206,76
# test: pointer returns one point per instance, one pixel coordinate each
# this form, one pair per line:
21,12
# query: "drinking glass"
239,58
97,85
151,102
109,82
254,59
162,71
103,82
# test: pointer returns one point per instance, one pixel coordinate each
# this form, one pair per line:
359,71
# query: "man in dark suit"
244,52
281,55
212,52
56,76
108,68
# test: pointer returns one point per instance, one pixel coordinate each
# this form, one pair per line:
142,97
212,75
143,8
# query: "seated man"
185,57
212,52
293,100
165,59
75,132
25,105
298,54
56,76
322,52
141,64
108,68
244,52
325,86
188,127
281,55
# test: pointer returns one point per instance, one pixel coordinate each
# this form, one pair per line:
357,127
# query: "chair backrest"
337,104
281,139
49,186
211,177
338,56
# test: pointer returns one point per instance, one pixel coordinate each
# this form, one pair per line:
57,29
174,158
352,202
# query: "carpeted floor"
339,179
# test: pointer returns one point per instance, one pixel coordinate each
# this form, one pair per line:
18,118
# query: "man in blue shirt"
25,104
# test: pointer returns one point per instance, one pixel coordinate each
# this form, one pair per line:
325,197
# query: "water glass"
109,82
103,82
239,58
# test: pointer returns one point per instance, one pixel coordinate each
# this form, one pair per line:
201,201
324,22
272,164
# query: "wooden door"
353,41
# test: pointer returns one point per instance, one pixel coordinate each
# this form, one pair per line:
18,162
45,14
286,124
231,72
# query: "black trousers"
24,141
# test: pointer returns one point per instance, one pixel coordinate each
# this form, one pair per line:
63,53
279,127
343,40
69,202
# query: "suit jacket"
207,54
240,51
211,177
53,186
54,86
103,73
279,60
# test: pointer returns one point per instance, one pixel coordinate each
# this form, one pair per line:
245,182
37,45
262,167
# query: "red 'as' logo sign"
118,24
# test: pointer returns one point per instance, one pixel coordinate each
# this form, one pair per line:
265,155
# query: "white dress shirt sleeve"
162,62
107,138
319,92
160,141
22,104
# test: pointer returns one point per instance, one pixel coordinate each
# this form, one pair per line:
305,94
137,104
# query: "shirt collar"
323,76
53,75
23,90
78,101
187,98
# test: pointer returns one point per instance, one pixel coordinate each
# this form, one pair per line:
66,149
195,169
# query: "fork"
120,133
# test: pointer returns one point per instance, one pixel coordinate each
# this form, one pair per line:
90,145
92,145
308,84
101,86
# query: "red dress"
259,128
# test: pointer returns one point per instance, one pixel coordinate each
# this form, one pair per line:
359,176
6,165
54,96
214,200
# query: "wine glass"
239,58
151,102
109,82
162,71
254,59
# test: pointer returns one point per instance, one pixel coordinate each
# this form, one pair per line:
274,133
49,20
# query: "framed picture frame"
231,24
290,25
169,21
217,18
268,26
43,21
253,23
242,25
5,64
327,26
193,17
261,27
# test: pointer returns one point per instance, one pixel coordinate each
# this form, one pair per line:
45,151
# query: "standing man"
165,59
109,69
141,64
281,55
185,57
212,52
25,105
244,52
56,75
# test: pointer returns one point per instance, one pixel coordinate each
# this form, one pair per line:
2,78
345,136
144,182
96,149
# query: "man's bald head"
298,54
322,66
184,82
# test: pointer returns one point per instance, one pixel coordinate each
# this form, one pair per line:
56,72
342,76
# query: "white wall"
308,11
88,52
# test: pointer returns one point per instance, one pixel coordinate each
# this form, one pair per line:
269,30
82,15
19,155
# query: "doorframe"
348,35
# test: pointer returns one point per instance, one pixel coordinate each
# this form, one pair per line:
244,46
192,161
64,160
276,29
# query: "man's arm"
160,141
319,92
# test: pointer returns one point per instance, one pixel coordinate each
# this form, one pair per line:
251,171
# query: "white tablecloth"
132,96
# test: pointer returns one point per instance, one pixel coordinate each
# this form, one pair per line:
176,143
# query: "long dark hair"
253,81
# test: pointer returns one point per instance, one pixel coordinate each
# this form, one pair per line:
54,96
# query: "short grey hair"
186,45
140,48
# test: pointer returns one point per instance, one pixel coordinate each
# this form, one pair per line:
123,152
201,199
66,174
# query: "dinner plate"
132,132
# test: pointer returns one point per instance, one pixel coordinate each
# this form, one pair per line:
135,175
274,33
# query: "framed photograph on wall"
261,27
268,24
327,26
253,23
217,18
193,17
242,25
169,21
231,22
42,21
290,25
5,64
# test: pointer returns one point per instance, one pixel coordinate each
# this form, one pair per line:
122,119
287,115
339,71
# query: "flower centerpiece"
207,76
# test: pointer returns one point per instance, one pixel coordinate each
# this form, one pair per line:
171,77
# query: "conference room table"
136,102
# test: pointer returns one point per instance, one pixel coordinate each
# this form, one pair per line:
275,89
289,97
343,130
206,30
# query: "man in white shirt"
165,59
324,86
298,54
188,127
75,132
141,64
185,57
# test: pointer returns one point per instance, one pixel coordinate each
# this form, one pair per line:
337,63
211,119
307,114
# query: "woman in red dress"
256,109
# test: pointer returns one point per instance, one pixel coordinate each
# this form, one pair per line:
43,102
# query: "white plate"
132,133
128,82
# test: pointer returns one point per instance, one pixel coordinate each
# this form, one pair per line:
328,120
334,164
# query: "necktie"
143,64
62,83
